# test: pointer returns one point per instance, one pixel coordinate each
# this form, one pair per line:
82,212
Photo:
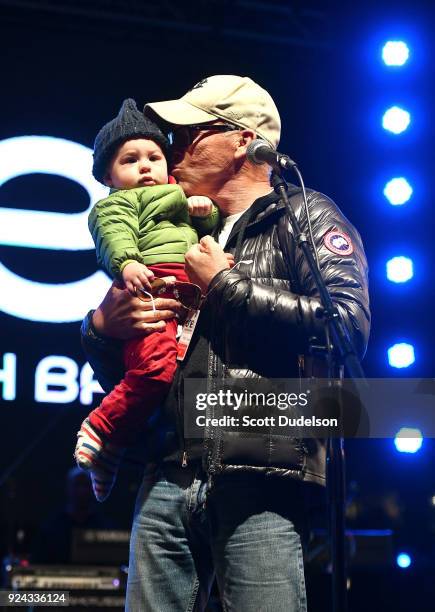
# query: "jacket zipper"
215,371
184,456
209,430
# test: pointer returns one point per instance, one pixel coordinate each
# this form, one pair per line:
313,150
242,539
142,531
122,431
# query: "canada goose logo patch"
338,242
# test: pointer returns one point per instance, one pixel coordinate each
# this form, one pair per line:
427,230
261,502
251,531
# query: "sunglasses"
188,294
184,135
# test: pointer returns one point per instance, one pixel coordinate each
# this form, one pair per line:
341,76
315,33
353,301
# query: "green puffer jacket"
146,224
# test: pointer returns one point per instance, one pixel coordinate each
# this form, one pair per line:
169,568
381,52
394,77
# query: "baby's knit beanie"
130,123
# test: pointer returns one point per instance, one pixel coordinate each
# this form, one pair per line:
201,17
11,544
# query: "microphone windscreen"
254,149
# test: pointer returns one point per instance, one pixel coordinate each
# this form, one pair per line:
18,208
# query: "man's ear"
245,137
108,180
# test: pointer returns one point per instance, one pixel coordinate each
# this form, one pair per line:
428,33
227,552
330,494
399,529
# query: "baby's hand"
199,206
137,276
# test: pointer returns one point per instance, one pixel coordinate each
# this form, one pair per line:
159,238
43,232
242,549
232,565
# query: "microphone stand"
342,345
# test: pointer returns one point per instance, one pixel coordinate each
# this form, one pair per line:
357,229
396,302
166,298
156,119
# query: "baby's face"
137,163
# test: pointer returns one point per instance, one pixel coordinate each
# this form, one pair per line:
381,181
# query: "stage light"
396,120
395,53
401,355
403,560
408,440
398,191
400,269
50,302
38,229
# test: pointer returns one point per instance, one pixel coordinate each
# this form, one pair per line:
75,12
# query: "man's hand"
204,261
199,206
122,316
136,276
230,259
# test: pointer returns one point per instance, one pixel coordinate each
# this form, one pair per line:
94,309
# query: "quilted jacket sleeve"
294,317
114,226
103,354
205,225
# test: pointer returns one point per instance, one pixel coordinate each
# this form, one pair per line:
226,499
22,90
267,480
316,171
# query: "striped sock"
99,458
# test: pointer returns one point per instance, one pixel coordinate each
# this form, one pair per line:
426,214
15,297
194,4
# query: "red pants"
150,364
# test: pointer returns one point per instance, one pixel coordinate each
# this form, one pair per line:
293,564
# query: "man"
232,504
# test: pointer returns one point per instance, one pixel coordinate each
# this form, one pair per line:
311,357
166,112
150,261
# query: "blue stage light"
403,560
395,53
408,440
396,120
401,355
400,269
398,191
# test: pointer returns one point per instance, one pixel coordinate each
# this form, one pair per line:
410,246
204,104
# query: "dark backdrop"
65,74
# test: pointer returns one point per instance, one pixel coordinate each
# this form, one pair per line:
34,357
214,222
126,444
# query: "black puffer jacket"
256,323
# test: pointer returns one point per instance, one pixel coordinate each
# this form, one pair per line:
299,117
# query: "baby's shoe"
99,458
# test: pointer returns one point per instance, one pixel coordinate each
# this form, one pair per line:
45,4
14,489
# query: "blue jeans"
246,532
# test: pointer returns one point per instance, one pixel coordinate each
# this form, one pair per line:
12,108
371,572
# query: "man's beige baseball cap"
234,99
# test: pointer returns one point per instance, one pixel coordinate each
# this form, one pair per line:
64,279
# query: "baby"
141,231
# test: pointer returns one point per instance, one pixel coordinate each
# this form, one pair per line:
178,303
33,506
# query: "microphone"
260,152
